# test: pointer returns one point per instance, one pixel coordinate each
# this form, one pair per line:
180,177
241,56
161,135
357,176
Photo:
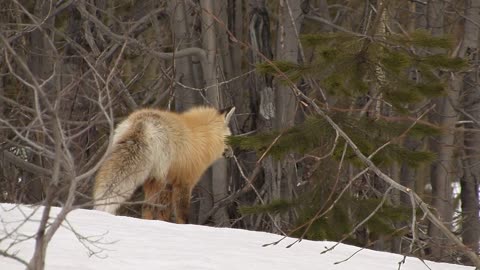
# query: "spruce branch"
309,103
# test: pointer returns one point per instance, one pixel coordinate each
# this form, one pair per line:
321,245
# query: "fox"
166,152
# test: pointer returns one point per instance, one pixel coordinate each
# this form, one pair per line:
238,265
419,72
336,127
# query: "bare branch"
25,164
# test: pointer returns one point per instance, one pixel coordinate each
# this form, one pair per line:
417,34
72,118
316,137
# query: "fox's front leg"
181,199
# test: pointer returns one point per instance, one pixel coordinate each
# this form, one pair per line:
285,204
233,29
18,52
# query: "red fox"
167,153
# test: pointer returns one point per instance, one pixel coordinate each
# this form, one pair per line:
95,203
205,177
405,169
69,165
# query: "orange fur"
165,152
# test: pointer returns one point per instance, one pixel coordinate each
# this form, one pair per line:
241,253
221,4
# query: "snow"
129,243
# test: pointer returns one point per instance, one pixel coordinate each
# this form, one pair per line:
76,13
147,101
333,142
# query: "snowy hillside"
128,243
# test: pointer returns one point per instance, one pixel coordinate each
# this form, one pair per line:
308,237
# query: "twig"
14,257
349,257
362,222
400,263
414,222
310,223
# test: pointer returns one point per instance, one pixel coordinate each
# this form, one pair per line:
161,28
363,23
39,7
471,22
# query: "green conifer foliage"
366,133
349,67
312,136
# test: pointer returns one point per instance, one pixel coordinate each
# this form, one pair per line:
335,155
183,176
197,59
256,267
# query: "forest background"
356,120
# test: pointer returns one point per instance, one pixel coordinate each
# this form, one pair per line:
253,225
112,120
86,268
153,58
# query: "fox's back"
157,132
181,145
152,123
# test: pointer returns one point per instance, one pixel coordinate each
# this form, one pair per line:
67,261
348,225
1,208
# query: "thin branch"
360,224
414,222
27,166
329,23
349,257
14,257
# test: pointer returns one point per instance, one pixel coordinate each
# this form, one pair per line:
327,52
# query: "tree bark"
471,105
287,49
218,175
261,88
443,170
184,98
40,62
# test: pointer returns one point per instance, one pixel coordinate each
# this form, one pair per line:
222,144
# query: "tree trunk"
443,170
40,62
184,98
471,105
287,49
261,92
218,176
42,66
186,74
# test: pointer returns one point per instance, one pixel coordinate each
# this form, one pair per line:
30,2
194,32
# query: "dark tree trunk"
471,104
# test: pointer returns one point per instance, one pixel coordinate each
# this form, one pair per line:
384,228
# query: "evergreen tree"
375,81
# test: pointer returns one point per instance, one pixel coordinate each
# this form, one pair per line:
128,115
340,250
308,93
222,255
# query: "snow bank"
116,242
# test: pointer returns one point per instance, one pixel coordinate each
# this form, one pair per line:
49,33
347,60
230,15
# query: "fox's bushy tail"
127,167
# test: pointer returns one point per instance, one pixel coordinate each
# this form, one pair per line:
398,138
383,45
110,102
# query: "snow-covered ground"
129,243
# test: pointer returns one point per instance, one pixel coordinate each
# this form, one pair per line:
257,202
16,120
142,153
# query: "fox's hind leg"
109,196
181,194
164,202
158,200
